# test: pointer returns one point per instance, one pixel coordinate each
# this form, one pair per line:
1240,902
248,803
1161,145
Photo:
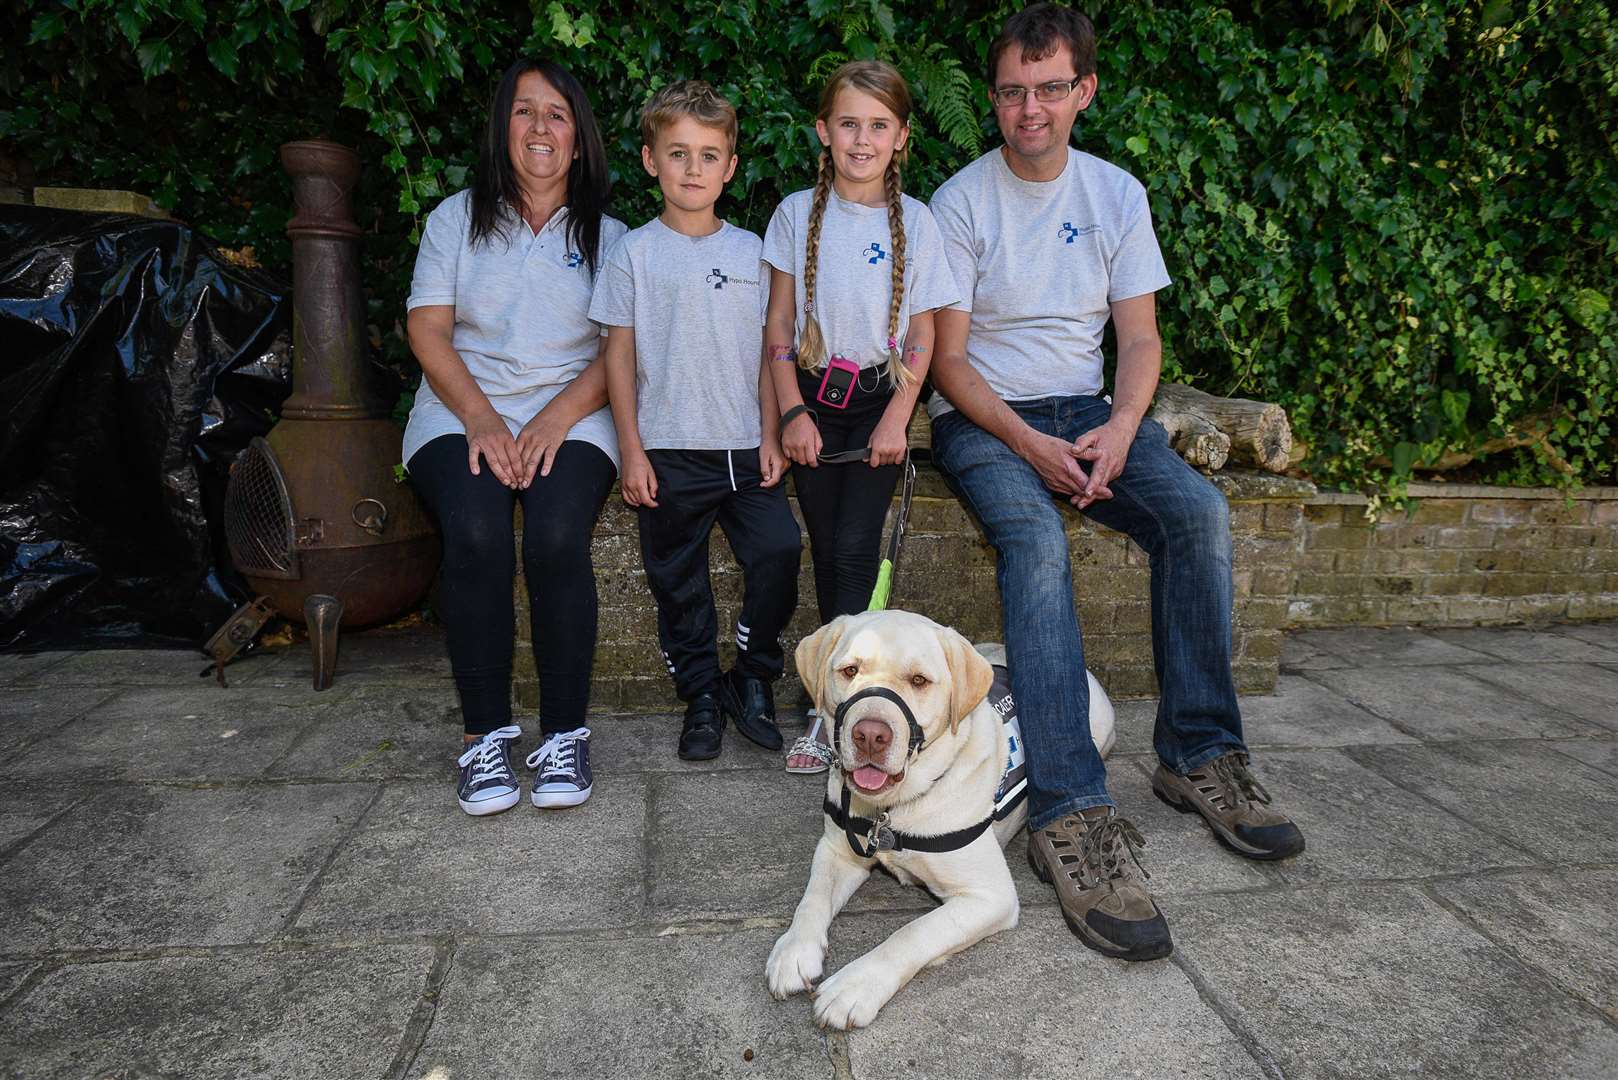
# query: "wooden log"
1258,432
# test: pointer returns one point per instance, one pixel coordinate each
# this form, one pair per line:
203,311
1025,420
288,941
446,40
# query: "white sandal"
809,746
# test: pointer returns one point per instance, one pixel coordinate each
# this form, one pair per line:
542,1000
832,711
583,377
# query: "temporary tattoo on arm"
783,352
914,353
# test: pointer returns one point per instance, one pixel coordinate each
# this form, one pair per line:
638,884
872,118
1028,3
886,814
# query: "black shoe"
751,704
704,728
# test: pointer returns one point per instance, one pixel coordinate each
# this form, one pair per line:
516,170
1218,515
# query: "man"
1047,244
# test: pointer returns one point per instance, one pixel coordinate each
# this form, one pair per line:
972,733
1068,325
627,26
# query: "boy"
683,298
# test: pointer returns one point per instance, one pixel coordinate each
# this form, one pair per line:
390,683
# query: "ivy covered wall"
1399,219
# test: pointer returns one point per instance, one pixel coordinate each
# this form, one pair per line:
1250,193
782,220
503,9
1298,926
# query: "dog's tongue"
869,777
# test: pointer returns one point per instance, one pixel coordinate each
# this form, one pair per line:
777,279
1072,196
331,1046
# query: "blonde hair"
693,98
882,81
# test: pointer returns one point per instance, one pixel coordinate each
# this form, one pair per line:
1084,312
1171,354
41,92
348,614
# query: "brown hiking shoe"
1234,804
1090,858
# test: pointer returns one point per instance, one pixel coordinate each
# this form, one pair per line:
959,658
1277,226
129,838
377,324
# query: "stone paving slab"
1302,712
409,656
417,865
1582,690
684,1005
26,807
1558,923
28,715
1034,1003
26,666
1597,753
1381,981
1357,825
1531,794
12,976
140,667
323,1013
1602,633
1299,652
1529,646
1371,647
649,743
164,733
1446,703
739,844
138,867
380,732
1133,723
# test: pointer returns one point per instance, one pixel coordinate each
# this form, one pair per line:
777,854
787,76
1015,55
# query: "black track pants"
696,488
844,506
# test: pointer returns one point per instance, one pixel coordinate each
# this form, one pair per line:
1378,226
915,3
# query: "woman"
512,410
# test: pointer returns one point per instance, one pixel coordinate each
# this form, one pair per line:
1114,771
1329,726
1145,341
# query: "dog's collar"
878,837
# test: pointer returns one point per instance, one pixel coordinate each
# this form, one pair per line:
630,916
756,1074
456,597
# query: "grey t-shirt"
1039,266
697,305
854,279
522,324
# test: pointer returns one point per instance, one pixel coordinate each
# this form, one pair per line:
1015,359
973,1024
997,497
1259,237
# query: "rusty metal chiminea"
314,509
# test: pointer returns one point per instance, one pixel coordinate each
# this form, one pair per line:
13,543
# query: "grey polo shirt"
522,323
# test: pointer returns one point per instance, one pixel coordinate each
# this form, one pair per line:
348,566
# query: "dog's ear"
814,651
970,676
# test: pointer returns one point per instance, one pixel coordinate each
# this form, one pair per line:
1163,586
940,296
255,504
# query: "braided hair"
882,81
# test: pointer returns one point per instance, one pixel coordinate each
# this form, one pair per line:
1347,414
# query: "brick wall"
1463,555
947,572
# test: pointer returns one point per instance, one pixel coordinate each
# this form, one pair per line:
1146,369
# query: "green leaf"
154,58
1137,145
222,54
1589,308
1404,456
48,25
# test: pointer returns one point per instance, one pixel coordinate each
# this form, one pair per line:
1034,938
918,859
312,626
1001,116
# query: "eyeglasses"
1007,96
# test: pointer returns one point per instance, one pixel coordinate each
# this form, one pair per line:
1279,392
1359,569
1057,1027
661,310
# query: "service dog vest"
1013,787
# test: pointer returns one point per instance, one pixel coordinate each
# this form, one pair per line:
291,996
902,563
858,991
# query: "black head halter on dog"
875,833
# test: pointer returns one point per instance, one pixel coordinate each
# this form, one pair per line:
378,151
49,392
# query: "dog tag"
881,838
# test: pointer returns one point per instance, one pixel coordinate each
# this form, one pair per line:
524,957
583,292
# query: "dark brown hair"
1039,31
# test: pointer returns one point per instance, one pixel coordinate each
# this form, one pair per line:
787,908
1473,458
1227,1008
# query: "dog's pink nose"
871,737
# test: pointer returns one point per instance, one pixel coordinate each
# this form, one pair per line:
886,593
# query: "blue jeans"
1183,524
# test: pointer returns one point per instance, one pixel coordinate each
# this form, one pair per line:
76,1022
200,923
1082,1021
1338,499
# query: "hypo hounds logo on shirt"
719,279
572,259
1069,234
874,254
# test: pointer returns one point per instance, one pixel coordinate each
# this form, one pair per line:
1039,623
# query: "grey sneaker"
487,784
1090,858
1234,805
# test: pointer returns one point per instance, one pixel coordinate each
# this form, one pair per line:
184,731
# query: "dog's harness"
876,834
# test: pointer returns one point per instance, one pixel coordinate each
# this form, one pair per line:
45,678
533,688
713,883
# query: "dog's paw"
852,997
794,965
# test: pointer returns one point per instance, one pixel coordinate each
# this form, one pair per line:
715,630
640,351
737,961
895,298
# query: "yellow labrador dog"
919,754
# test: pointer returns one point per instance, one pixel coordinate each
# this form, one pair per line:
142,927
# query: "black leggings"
475,597
844,506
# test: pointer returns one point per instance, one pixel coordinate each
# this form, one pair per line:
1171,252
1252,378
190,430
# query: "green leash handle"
884,573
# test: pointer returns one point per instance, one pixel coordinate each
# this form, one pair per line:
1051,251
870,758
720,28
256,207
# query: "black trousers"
475,597
844,506
696,489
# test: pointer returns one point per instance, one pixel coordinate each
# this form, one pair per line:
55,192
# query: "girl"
857,271
512,409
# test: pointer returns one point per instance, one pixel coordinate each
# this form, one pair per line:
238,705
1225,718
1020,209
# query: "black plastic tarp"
135,363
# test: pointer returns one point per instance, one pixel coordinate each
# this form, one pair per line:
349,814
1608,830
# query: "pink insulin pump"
837,385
